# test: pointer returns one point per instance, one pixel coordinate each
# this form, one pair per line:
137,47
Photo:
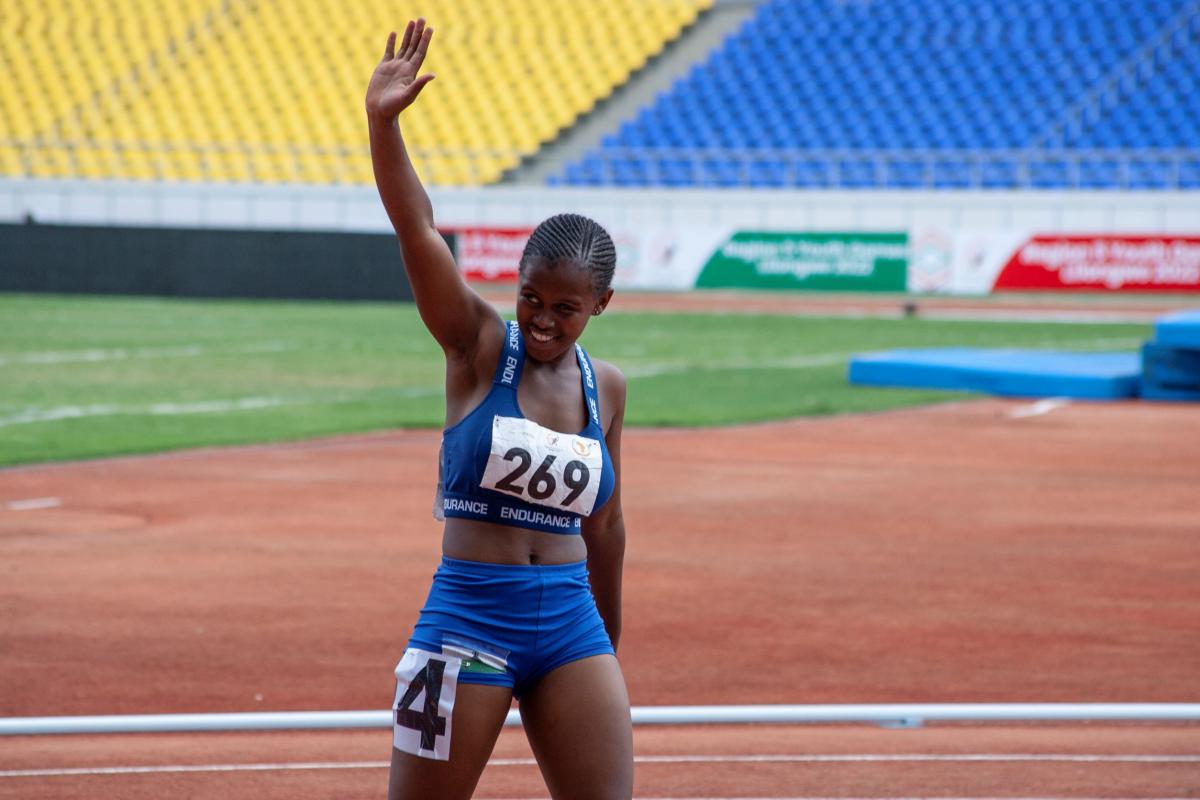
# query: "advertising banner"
664,257
852,261
649,257
927,259
983,260
1105,262
490,254
946,260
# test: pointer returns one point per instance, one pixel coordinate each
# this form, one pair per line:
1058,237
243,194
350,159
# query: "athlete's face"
554,302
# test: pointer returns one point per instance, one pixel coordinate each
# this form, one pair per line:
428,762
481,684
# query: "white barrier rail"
891,715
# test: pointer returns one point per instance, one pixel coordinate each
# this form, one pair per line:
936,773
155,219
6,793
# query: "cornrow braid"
574,238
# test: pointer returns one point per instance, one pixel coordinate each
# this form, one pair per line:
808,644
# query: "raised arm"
452,312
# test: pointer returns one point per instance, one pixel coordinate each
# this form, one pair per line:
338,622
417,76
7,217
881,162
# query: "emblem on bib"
541,466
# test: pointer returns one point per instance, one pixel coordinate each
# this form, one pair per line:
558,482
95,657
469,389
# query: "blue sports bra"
497,466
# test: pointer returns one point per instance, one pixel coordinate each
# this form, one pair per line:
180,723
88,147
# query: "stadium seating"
946,93
212,90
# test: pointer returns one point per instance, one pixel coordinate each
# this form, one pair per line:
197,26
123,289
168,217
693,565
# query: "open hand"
395,84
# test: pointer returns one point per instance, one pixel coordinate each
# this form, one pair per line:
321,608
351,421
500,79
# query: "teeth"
541,337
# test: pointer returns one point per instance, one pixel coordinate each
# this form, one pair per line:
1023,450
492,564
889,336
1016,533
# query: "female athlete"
527,600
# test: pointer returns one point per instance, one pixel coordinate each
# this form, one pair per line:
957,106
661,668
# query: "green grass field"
88,377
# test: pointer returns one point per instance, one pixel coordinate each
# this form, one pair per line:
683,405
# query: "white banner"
669,258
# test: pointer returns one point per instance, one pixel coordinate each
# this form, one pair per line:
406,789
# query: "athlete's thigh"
577,720
479,713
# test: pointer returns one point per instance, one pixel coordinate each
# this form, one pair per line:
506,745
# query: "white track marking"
137,353
33,504
1116,343
865,758
1068,316
31,415
1040,407
154,409
654,369
816,360
179,768
1034,316
844,758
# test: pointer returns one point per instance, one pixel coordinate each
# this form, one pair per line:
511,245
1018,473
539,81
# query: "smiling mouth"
541,338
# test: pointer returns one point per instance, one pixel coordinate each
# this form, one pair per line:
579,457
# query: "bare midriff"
471,540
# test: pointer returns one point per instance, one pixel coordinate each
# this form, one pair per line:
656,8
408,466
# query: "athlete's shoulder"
612,386
608,372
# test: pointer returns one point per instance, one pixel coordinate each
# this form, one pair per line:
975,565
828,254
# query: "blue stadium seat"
910,76
906,174
1049,174
769,173
1099,174
1149,175
856,174
1189,173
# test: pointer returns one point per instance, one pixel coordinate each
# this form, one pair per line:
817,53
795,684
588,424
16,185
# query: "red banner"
1106,263
490,254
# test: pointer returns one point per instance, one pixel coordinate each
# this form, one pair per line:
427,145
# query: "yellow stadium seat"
209,90
11,160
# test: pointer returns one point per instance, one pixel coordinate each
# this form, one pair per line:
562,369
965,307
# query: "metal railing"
1176,169
221,162
886,714
896,169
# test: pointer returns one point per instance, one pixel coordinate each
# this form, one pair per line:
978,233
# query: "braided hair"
576,239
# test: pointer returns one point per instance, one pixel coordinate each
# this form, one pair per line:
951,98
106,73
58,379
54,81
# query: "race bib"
557,470
422,711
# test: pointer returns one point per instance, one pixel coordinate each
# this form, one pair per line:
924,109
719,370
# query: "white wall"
358,208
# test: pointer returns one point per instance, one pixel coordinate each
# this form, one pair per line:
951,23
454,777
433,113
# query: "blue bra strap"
512,358
589,386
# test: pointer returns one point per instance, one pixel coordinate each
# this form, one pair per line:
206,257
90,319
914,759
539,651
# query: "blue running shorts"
510,623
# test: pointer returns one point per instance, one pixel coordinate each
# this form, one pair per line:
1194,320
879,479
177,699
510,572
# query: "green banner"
843,262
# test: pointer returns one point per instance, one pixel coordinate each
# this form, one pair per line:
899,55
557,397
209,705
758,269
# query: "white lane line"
654,369
861,758
1097,317
846,758
33,504
1039,408
154,409
1119,343
816,360
178,768
31,415
1015,315
125,354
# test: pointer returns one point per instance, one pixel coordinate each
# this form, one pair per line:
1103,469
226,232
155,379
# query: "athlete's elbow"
606,537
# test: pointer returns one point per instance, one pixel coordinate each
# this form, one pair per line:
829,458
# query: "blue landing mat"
1013,373
1178,329
1170,373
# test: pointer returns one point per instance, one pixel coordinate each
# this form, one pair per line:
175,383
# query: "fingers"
408,32
423,46
413,46
416,46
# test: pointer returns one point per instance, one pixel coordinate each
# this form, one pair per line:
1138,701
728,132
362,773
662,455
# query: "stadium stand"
271,91
927,93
